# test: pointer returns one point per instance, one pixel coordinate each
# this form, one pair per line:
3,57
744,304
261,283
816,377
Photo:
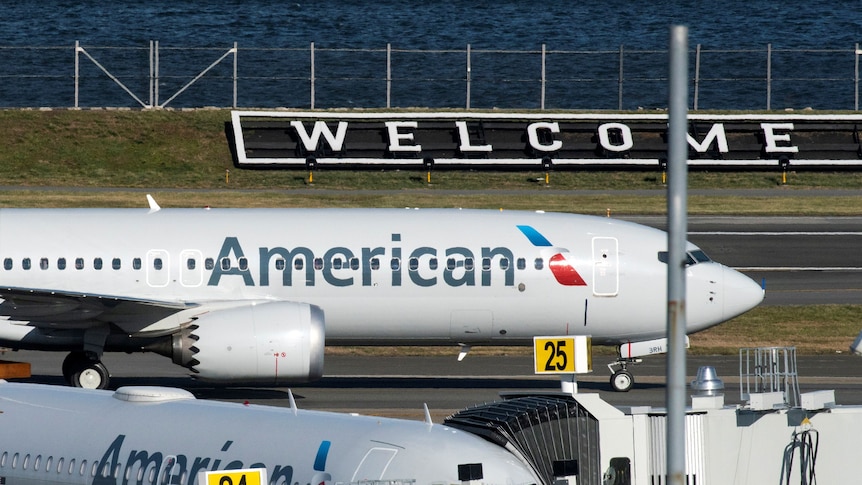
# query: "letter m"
716,135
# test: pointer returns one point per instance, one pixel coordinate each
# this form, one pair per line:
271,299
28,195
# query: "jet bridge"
777,434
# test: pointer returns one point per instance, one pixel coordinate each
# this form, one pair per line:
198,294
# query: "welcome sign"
473,140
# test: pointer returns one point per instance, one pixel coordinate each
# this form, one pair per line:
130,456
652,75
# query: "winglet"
292,402
154,207
427,415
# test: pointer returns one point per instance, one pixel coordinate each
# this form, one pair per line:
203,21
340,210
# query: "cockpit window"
691,258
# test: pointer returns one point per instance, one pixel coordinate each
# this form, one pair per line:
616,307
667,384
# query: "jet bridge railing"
767,370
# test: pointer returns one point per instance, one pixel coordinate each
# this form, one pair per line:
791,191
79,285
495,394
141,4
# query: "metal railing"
623,78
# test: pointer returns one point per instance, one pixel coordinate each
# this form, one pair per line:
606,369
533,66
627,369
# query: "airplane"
158,435
253,295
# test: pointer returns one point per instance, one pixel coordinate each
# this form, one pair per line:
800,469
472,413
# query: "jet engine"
266,343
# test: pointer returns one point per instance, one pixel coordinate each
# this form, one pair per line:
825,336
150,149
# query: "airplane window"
26,462
191,263
486,264
157,264
468,264
243,263
115,263
521,263
79,263
3,458
504,263
298,264
700,256
395,264
280,264
43,263
450,264
375,263
48,463
37,462
354,263
60,465
94,468
432,263
689,259
225,264
413,264
71,466
136,263
25,263
15,460
209,263
7,263
318,263
97,263
336,263
539,263
61,263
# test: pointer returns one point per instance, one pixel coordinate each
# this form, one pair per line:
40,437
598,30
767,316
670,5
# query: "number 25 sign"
562,355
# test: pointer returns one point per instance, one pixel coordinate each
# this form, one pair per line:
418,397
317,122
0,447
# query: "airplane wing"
68,310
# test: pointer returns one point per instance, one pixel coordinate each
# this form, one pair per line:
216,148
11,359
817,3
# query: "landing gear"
622,380
84,369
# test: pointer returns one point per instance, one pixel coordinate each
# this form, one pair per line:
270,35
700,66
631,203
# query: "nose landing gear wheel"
622,381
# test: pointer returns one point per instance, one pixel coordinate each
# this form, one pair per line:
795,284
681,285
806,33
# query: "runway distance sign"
531,141
562,355
250,476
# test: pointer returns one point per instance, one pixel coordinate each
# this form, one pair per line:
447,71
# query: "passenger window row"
280,264
80,468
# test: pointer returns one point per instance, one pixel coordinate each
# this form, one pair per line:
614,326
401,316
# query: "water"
356,78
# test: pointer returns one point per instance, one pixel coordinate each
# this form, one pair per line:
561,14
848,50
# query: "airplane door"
191,267
606,269
373,465
158,267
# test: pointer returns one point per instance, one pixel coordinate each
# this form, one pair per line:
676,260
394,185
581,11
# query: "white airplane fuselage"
370,276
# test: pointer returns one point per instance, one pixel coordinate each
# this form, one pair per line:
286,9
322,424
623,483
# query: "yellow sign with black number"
251,476
562,355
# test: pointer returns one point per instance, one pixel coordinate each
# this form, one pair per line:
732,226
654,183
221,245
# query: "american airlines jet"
147,435
252,295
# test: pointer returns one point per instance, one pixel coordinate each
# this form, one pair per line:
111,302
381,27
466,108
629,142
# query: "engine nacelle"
267,343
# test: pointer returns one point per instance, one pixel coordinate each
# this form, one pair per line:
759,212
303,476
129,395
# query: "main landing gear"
621,379
84,369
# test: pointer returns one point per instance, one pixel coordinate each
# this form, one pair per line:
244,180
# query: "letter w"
320,128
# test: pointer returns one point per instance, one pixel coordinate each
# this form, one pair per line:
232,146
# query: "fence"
156,76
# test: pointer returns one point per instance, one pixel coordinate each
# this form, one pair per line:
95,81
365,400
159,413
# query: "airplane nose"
741,293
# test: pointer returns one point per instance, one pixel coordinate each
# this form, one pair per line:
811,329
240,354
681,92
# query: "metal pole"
156,80
77,70
542,103
856,53
620,87
696,75
312,76
469,68
388,75
768,77
677,227
235,54
151,74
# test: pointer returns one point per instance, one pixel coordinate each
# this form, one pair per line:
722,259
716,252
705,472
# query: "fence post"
696,74
856,54
312,75
542,102
235,53
151,74
77,70
468,76
388,75
620,87
156,75
768,77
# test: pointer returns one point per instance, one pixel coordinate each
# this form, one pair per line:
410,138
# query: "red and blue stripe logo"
561,268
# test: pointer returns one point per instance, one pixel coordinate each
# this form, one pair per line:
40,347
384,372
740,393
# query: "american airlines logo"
421,266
